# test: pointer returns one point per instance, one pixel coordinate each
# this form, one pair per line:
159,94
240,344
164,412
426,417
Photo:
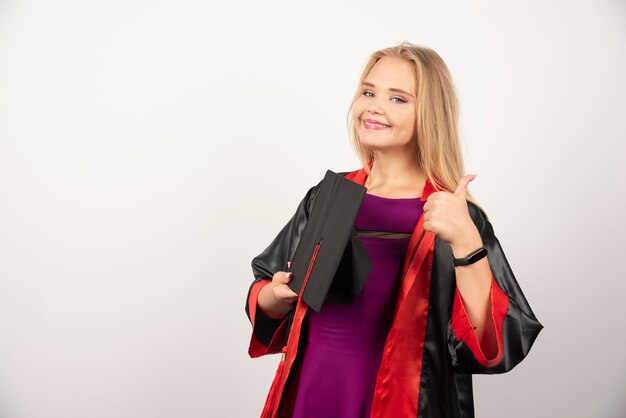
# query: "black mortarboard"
342,265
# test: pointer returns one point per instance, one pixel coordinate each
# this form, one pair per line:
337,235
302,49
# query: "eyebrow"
367,83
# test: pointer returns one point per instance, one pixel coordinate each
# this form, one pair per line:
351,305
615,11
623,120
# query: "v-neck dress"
346,341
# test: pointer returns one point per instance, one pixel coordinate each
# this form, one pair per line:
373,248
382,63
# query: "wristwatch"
472,258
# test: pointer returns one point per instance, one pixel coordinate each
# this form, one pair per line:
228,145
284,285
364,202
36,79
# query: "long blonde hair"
438,152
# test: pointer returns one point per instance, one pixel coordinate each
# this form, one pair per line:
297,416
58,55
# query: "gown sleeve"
514,322
268,334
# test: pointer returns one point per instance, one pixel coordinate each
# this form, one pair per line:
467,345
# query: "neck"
395,171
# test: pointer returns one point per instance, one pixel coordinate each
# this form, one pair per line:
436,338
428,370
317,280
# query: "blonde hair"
438,152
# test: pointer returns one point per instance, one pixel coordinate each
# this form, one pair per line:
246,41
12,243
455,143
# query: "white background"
150,149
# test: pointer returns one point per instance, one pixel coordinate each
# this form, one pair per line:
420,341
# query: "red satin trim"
359,176
256,348
273,401
398,381
464,331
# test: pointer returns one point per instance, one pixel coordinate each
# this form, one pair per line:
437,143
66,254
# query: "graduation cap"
339,268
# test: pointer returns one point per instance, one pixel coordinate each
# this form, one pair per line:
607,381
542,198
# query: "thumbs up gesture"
447,216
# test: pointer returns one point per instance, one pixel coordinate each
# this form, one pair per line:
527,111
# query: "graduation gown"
431,350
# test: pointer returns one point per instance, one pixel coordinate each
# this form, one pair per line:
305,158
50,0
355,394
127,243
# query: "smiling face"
384,112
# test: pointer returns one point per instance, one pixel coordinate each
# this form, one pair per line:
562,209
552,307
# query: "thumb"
461,189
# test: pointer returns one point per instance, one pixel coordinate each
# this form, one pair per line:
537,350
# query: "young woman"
441,301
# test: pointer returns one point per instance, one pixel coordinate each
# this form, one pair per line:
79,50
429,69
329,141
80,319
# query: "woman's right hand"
281,291
276,299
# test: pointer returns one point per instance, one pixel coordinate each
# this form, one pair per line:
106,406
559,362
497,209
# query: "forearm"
270,305
474,284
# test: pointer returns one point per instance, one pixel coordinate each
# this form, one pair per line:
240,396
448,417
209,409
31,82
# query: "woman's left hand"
446,214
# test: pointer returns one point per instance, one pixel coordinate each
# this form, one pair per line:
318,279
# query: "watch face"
477,255
472,258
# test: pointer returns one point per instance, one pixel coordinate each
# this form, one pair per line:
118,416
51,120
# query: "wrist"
469,242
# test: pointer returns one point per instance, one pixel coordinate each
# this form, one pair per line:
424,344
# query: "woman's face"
384,112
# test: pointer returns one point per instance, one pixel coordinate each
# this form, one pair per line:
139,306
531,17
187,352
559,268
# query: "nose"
373,109
375,105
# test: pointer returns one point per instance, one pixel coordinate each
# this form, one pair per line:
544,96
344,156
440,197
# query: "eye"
365,93
400,98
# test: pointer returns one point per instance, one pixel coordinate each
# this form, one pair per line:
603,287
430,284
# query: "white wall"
149,150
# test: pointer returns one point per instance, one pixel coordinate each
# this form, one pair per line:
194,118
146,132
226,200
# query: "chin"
375,145
374,138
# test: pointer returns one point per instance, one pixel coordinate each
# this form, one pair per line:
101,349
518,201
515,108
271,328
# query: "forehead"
393,72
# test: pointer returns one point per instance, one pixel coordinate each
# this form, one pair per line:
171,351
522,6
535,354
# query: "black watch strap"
471,258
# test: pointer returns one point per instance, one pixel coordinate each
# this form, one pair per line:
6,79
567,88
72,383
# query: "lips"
374,124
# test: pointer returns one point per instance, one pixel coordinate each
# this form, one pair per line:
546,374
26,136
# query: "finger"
282,277
286,277
431,200
461,189
285,293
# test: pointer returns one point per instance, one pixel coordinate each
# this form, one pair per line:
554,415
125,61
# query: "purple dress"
346,342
